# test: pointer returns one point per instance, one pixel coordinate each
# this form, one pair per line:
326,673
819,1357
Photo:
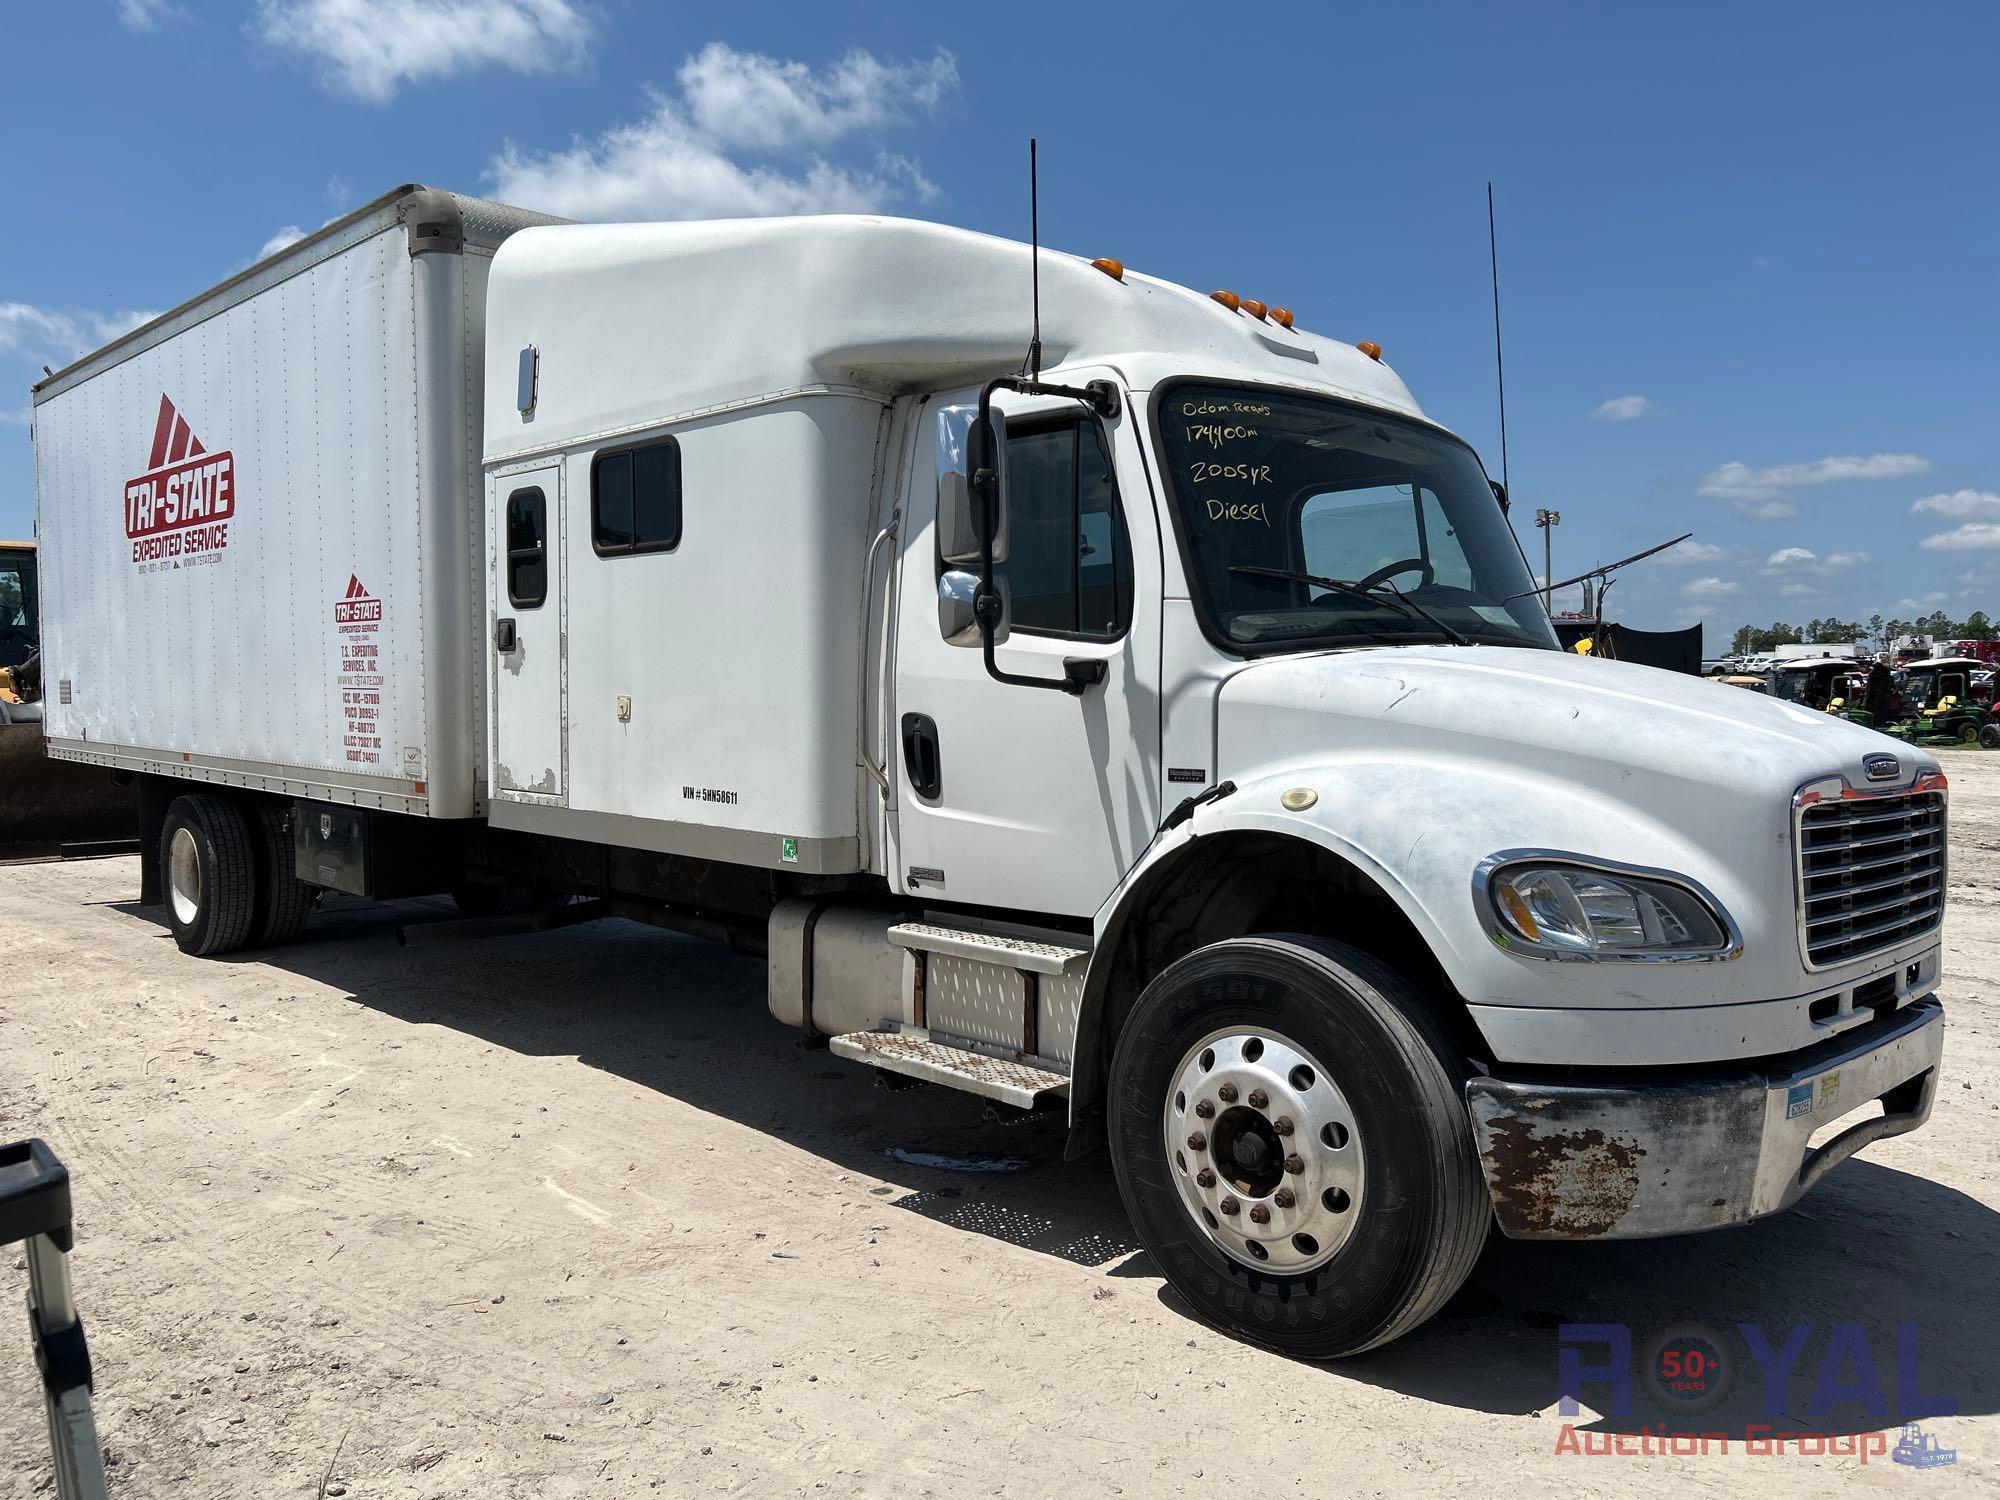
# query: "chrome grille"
1871,873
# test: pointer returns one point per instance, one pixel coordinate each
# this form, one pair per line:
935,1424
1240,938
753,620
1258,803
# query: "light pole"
1548,520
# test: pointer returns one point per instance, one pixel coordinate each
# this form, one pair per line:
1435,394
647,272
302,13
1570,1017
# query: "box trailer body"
262,525
1169,734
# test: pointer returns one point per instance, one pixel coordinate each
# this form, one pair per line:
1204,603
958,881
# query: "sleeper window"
527,549
635,499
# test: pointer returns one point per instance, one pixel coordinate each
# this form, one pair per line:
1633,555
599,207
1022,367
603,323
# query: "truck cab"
1216,775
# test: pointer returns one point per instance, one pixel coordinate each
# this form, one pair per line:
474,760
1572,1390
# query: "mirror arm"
1101,396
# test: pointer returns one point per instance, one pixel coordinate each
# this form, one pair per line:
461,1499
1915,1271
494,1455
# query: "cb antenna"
1035,262
1499,364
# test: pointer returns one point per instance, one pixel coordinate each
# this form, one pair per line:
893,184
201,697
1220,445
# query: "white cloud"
1847,559
677,162
1622,409
1708,588
1691,552
1764,493
1786,557
144,15
291,234
1960,505
371,48
1973,536
743,99
17,418
52,336
1916,606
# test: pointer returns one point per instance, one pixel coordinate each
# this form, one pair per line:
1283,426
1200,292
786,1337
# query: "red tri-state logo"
183,503
357,606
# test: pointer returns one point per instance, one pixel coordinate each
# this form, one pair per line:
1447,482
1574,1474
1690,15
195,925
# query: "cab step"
1024,954
915,1053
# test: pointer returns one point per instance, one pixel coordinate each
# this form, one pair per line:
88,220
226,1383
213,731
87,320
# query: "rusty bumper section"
1615,1161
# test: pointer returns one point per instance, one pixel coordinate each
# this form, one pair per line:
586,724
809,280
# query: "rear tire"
1384,1213
1989,736
209,874
283,900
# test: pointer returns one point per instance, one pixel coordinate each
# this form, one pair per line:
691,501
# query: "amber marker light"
1255,308
1370,348
1228,299
1282,316
1115,269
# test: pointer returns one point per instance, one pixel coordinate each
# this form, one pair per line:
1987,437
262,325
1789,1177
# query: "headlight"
1579,911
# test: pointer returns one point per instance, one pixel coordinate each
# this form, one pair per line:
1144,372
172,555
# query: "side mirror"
964,448
956,621
1500,494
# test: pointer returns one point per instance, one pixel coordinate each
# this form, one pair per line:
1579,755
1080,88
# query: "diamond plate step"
991,948
912,1052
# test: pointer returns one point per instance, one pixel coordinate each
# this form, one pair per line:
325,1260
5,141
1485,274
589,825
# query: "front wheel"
1292,1144
1989,736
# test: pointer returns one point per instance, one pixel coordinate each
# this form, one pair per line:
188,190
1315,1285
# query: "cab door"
1024,798
529,683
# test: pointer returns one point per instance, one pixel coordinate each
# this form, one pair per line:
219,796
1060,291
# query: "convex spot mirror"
964,446
957,623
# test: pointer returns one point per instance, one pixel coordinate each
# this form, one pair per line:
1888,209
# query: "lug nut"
1197,1141
1259,1214
1283,1124
1295,1164
1284,1197
1258,1099
1230,1206
1204,1110
1227,1093
1205,1178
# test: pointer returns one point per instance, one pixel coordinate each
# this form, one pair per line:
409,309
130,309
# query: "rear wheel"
283,900
1989,736
1292,1145
1968,733
210,877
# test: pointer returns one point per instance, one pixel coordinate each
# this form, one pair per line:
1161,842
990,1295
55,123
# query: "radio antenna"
1499,363
1035,262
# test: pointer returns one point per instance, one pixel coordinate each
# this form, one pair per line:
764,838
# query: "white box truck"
1172,737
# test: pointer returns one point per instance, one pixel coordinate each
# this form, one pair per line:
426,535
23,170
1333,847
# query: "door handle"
920,756
503,636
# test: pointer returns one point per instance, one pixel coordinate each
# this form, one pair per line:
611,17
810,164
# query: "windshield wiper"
1396,599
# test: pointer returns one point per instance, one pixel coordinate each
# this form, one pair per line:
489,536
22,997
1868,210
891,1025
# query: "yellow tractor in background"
47,808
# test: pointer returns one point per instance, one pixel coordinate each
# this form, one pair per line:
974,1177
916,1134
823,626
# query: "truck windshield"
1271,483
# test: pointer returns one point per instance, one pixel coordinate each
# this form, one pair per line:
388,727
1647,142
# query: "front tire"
209,874
1291,1142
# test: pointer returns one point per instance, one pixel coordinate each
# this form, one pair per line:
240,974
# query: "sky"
1748,253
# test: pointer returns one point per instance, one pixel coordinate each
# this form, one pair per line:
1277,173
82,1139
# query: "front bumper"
1636,1160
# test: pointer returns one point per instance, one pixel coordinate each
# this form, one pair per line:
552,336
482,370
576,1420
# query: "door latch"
920,756
503,636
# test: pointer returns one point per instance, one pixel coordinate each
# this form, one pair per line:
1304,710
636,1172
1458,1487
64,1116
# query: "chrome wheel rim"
1264,1149
184,876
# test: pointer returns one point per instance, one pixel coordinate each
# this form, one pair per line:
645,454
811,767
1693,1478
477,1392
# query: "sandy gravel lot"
569,1215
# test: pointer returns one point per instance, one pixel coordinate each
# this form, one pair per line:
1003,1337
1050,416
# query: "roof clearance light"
1228,299
1282,316
1255,308
1370,348
1115,269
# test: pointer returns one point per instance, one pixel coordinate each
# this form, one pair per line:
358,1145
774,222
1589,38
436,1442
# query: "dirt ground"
570,1215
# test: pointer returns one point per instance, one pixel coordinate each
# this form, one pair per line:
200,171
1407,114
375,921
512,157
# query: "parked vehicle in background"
1172,737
